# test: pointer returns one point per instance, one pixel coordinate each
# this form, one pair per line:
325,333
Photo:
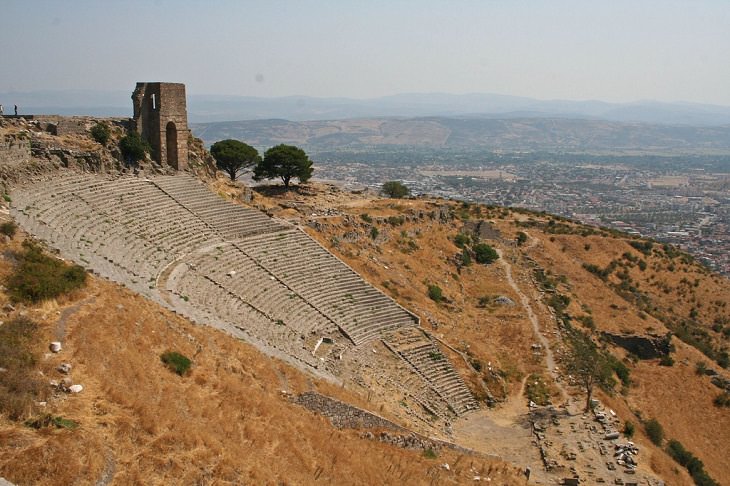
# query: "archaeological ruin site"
432,330
169,238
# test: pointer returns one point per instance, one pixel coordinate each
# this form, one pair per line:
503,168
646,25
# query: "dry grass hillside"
500,290
610,282
229,421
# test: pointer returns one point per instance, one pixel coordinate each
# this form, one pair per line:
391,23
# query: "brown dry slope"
228,422
648,291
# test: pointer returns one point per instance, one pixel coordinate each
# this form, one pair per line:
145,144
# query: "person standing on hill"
1,110
16,110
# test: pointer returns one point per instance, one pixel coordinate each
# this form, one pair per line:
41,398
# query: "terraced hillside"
172,240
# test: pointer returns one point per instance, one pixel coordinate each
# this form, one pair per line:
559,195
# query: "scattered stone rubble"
587,446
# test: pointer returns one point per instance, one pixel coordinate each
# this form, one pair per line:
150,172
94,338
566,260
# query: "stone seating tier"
172,231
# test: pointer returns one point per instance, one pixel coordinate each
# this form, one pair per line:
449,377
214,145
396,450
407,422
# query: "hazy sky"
612,50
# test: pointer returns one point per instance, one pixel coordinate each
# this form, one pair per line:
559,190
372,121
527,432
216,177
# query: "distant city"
680,200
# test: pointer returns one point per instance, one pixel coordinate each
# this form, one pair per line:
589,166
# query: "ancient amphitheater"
172,240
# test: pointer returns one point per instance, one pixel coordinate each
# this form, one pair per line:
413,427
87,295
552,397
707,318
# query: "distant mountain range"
474,132
213,108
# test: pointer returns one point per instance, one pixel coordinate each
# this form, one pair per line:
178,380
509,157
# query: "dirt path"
108,474
66,313
549,358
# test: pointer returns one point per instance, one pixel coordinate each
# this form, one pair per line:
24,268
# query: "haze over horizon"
568,50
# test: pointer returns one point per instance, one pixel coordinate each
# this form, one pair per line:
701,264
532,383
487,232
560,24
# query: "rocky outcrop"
649,346
482,230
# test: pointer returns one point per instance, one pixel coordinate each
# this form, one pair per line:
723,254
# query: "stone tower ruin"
161,118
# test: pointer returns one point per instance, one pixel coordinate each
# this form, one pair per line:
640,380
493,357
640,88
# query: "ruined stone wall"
343,415
160,117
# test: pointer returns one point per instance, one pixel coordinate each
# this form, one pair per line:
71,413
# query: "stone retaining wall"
343,415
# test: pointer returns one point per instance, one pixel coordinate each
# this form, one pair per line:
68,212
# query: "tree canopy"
285,162
395,189
232,155
588,365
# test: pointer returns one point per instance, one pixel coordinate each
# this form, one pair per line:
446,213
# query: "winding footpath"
525,301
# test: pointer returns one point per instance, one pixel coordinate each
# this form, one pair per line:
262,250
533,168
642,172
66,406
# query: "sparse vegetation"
101,133
49,420
485,254
694,466
430,453
629,429
435,293
722,400
654,431
39,277
133,147
700,368
537,390
462,240
20,384
176,362
8,228
644,247
395,190
521,238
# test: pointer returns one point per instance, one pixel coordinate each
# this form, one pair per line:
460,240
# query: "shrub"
629,429
435,293
485,300
643,246
430,454
100,132
587,321
396,220
6,197
366,217
722,400
176,362
20,384
133,147
521,238
8,228
395,189
700,367
622,371
49,420
465,258
485,254
461,240
39,277
374,232
694,465
666,360
654,431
